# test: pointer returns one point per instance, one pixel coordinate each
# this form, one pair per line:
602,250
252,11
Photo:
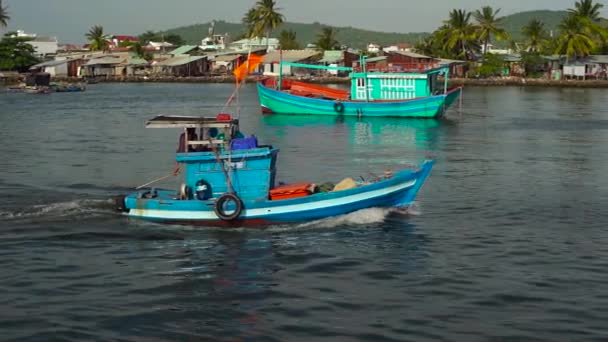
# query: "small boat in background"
68,87
37,90
230,180
418,90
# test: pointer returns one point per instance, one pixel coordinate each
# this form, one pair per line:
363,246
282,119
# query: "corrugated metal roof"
332,56
375,59
412,54
182,50
106,60
256,41
598,59
136,61
445,61
179,60
289,55
226,58
49,64
512,58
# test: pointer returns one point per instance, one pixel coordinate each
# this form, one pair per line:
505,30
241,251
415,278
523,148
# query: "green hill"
514,22
305,33
359,38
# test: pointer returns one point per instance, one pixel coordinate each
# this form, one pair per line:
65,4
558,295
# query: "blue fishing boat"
230,180
417,90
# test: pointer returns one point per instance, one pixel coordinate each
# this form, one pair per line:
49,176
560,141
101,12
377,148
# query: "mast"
280,69
445,80
364,65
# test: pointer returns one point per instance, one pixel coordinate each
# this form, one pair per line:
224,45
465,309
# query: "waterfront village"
215,58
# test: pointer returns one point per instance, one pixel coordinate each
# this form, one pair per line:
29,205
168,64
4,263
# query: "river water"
508,239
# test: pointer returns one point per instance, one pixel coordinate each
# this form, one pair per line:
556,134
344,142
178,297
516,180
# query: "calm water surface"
508,239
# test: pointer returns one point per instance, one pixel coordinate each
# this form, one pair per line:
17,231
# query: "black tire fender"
339,107
218,207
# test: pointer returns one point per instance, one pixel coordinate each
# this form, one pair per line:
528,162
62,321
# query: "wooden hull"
398,191
279,102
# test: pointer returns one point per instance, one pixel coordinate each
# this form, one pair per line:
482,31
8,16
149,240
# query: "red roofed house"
117,40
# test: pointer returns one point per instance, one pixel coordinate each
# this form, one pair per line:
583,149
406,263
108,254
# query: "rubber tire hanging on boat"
339,107
219,207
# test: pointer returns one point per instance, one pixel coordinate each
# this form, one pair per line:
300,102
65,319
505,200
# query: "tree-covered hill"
305,33
359,38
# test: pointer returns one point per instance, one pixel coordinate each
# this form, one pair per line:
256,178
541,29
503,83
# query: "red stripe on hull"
266,110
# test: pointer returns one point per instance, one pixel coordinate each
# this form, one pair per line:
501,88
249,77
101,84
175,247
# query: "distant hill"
305,33
514,22
359,38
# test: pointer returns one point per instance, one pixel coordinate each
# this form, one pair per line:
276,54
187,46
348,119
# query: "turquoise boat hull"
398,191
277,102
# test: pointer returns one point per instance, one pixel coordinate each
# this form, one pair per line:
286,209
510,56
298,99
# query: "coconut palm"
535,34
267,18
326,39
458,34
97,39
575,38
288,40
249,20
587,9
4,17
488,25
589,14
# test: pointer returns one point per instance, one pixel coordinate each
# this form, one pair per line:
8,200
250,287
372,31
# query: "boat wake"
363,218
74,208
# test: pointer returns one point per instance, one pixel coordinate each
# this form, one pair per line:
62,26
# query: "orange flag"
247,67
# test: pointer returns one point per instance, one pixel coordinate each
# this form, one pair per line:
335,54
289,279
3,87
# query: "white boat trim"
261,212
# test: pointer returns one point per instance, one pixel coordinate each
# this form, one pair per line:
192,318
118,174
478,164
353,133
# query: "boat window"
360,82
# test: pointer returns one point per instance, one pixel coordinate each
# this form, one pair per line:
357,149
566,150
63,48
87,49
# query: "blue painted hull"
397,191
273,101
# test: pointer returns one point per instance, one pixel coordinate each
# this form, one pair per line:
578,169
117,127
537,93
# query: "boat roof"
174,121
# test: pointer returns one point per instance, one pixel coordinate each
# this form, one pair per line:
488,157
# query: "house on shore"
270,65
338,58
182,66
255,44
104,66
60,67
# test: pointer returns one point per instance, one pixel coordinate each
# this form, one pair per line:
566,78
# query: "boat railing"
397,67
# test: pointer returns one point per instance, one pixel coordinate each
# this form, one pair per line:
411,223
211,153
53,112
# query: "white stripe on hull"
261,212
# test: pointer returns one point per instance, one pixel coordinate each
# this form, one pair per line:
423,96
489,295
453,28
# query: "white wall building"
42,45
373,48
255,44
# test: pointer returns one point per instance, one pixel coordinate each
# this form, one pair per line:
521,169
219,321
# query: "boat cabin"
397,81
219,159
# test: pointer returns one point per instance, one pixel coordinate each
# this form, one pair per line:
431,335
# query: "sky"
69,20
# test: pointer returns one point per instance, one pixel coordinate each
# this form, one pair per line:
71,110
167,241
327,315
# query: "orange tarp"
247,67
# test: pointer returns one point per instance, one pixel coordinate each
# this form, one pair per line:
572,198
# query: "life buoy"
225,199
339,107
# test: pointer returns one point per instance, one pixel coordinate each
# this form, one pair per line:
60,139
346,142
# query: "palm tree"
589,14
587,9
267,18
488,25
458,34
326,39
97,39
249,20
288,41
575,38
4,17
535,34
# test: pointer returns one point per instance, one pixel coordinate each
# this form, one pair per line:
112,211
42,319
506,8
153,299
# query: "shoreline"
488,82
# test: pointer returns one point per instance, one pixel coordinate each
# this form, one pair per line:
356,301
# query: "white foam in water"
360,217
60,209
